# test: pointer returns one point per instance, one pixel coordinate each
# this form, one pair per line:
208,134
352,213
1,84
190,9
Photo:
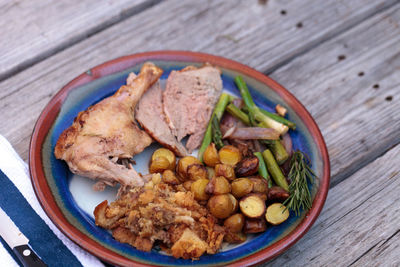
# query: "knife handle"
28,257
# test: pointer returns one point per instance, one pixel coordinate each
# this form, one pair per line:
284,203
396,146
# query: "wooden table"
341,59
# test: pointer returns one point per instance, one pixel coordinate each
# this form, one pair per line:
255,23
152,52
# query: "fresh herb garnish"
300,173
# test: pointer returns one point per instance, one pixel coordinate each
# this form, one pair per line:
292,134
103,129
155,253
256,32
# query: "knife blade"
18,242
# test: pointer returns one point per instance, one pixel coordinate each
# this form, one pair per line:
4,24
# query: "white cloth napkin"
17,171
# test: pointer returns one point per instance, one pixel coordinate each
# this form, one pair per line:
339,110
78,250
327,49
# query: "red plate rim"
49,113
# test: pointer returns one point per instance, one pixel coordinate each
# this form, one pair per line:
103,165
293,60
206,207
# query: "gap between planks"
125,14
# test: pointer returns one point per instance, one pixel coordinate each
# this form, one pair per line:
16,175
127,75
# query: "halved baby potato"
252,206
166,153
229,155
276,214
183,165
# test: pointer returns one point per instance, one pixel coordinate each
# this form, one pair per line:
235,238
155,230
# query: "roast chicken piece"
188,101
106,134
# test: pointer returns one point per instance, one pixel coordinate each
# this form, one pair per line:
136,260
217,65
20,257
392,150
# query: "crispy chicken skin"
106,132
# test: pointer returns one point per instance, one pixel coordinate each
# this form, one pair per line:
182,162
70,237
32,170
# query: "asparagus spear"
219,109
275,145
262,169
236,112
280,119
216,133
274,170
255,113
279,151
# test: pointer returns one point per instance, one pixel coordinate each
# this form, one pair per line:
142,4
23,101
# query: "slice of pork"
188,101
150,116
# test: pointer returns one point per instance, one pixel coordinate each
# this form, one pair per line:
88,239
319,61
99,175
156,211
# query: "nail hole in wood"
389,98
299,25
361,73
262,2
376,86
283,12
341,57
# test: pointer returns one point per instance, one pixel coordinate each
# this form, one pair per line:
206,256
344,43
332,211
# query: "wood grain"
360,223
33,30
257,35
355,100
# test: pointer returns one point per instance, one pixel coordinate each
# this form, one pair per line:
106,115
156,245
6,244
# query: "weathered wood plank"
355,100
33,30
360,223
257,35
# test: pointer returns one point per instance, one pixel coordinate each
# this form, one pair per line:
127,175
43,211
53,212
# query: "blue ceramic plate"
69,199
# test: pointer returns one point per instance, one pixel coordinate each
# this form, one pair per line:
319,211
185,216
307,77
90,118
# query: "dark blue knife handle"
28,257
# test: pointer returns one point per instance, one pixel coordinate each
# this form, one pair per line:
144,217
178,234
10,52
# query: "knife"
18,242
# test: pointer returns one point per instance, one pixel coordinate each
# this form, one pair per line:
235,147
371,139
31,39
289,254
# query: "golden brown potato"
198,188
241,187
276,214
218,186
247,166
197,171
210,155
235,238
220,206
188,185
277,194
183,164
229,155
166,153
252,226
169,177
252,206
235,203
225,170
235,223
260,185
159,164
210,172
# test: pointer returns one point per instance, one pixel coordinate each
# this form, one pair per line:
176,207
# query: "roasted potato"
218,186
197,171
235,203
229,155
277,194
235,223
235,238
252,226
169,177
210,155
183,165
198,188
252,206
166,153
210,172
247,166
159,165
276,214
220,206
241,187
225,170
260,185
187,185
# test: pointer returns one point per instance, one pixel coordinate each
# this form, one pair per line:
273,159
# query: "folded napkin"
19,201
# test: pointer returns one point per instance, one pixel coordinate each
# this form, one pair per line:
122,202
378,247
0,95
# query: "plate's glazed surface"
64,197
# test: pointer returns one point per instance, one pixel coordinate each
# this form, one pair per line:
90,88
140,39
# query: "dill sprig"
300,173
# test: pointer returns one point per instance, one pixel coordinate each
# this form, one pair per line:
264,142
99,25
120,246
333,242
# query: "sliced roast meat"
150,116
188,101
